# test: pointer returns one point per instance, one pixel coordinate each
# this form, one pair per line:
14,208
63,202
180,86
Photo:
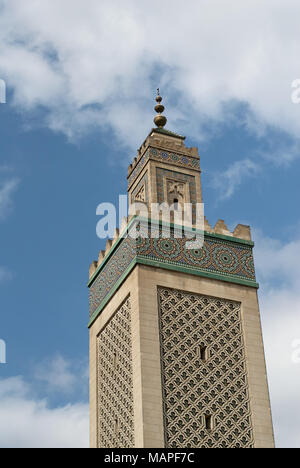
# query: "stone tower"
176,350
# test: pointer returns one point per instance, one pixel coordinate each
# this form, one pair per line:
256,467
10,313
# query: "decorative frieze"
221,258
168,157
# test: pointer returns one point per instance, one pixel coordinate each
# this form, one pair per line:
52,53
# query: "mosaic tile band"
163,156
221,258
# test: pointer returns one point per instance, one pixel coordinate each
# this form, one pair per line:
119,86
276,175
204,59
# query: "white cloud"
7,189
26,422
29,419
281,324
278,261
279,272
95,64
57,374
5,274
227,182
61,375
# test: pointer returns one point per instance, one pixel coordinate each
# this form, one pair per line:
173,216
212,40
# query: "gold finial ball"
160,121
158,98
159,108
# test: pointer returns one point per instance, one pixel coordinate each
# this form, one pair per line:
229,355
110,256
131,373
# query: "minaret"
176,350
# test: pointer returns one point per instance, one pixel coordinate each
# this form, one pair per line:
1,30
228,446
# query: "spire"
160,120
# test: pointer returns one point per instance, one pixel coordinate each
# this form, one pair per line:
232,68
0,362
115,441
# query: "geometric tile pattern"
111,272
194,388
115,386
175,159
166,157
226,259
216,256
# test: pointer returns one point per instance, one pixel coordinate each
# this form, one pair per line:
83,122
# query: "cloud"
5,274
30,419
281,325
8,186
227,182
279,273
96,64
61,375
7,189
26,422
278,260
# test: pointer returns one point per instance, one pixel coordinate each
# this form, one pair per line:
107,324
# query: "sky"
81,77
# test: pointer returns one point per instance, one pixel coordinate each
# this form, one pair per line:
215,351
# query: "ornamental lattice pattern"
197,387
115,386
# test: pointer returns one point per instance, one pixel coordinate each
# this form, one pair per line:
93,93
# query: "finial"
160,120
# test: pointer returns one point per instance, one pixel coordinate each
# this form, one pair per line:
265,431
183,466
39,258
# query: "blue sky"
78,106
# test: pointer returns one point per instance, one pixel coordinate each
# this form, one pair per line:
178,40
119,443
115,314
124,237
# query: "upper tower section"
165,169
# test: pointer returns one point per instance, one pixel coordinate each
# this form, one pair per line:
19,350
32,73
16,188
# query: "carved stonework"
176,190
141,191
141,195
185,182
205,382
115,386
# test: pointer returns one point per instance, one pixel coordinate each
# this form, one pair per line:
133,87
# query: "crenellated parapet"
241,231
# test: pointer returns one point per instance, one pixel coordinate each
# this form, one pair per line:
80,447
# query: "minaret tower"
176,350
